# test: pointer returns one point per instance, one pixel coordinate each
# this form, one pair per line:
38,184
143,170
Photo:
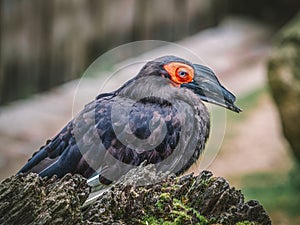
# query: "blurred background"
46,46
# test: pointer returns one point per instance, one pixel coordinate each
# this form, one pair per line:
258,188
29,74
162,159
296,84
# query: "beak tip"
236,109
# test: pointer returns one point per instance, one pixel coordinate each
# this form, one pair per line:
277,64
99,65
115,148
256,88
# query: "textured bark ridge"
202,199
32,200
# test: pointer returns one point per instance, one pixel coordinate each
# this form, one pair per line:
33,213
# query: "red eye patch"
180,73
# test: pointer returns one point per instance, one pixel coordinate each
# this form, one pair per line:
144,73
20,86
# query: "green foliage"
295,177
275,191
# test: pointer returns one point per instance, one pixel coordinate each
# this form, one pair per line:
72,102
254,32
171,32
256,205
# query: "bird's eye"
182,73
179,72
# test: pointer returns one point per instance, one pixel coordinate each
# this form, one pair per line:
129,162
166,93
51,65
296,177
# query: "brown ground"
253,144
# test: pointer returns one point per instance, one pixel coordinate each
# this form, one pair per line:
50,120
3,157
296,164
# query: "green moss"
151,220
246,223
164,199
179,213
180,216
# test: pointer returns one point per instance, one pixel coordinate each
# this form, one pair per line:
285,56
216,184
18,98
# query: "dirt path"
253,144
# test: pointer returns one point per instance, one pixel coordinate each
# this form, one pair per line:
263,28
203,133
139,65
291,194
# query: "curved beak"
208,87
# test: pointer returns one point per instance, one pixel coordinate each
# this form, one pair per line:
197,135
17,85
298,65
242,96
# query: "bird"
157,117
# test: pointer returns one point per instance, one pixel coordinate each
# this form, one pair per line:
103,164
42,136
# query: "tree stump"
201,199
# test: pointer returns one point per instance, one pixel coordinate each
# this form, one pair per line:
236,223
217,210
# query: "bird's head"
198,78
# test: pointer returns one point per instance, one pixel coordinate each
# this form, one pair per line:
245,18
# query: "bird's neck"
145,87
156,86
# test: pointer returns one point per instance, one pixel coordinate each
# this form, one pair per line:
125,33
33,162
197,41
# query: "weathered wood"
202,199
32,200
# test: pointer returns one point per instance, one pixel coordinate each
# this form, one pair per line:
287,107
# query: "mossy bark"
202,199
284,80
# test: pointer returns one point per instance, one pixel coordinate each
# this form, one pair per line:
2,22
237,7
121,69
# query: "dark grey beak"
208,87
